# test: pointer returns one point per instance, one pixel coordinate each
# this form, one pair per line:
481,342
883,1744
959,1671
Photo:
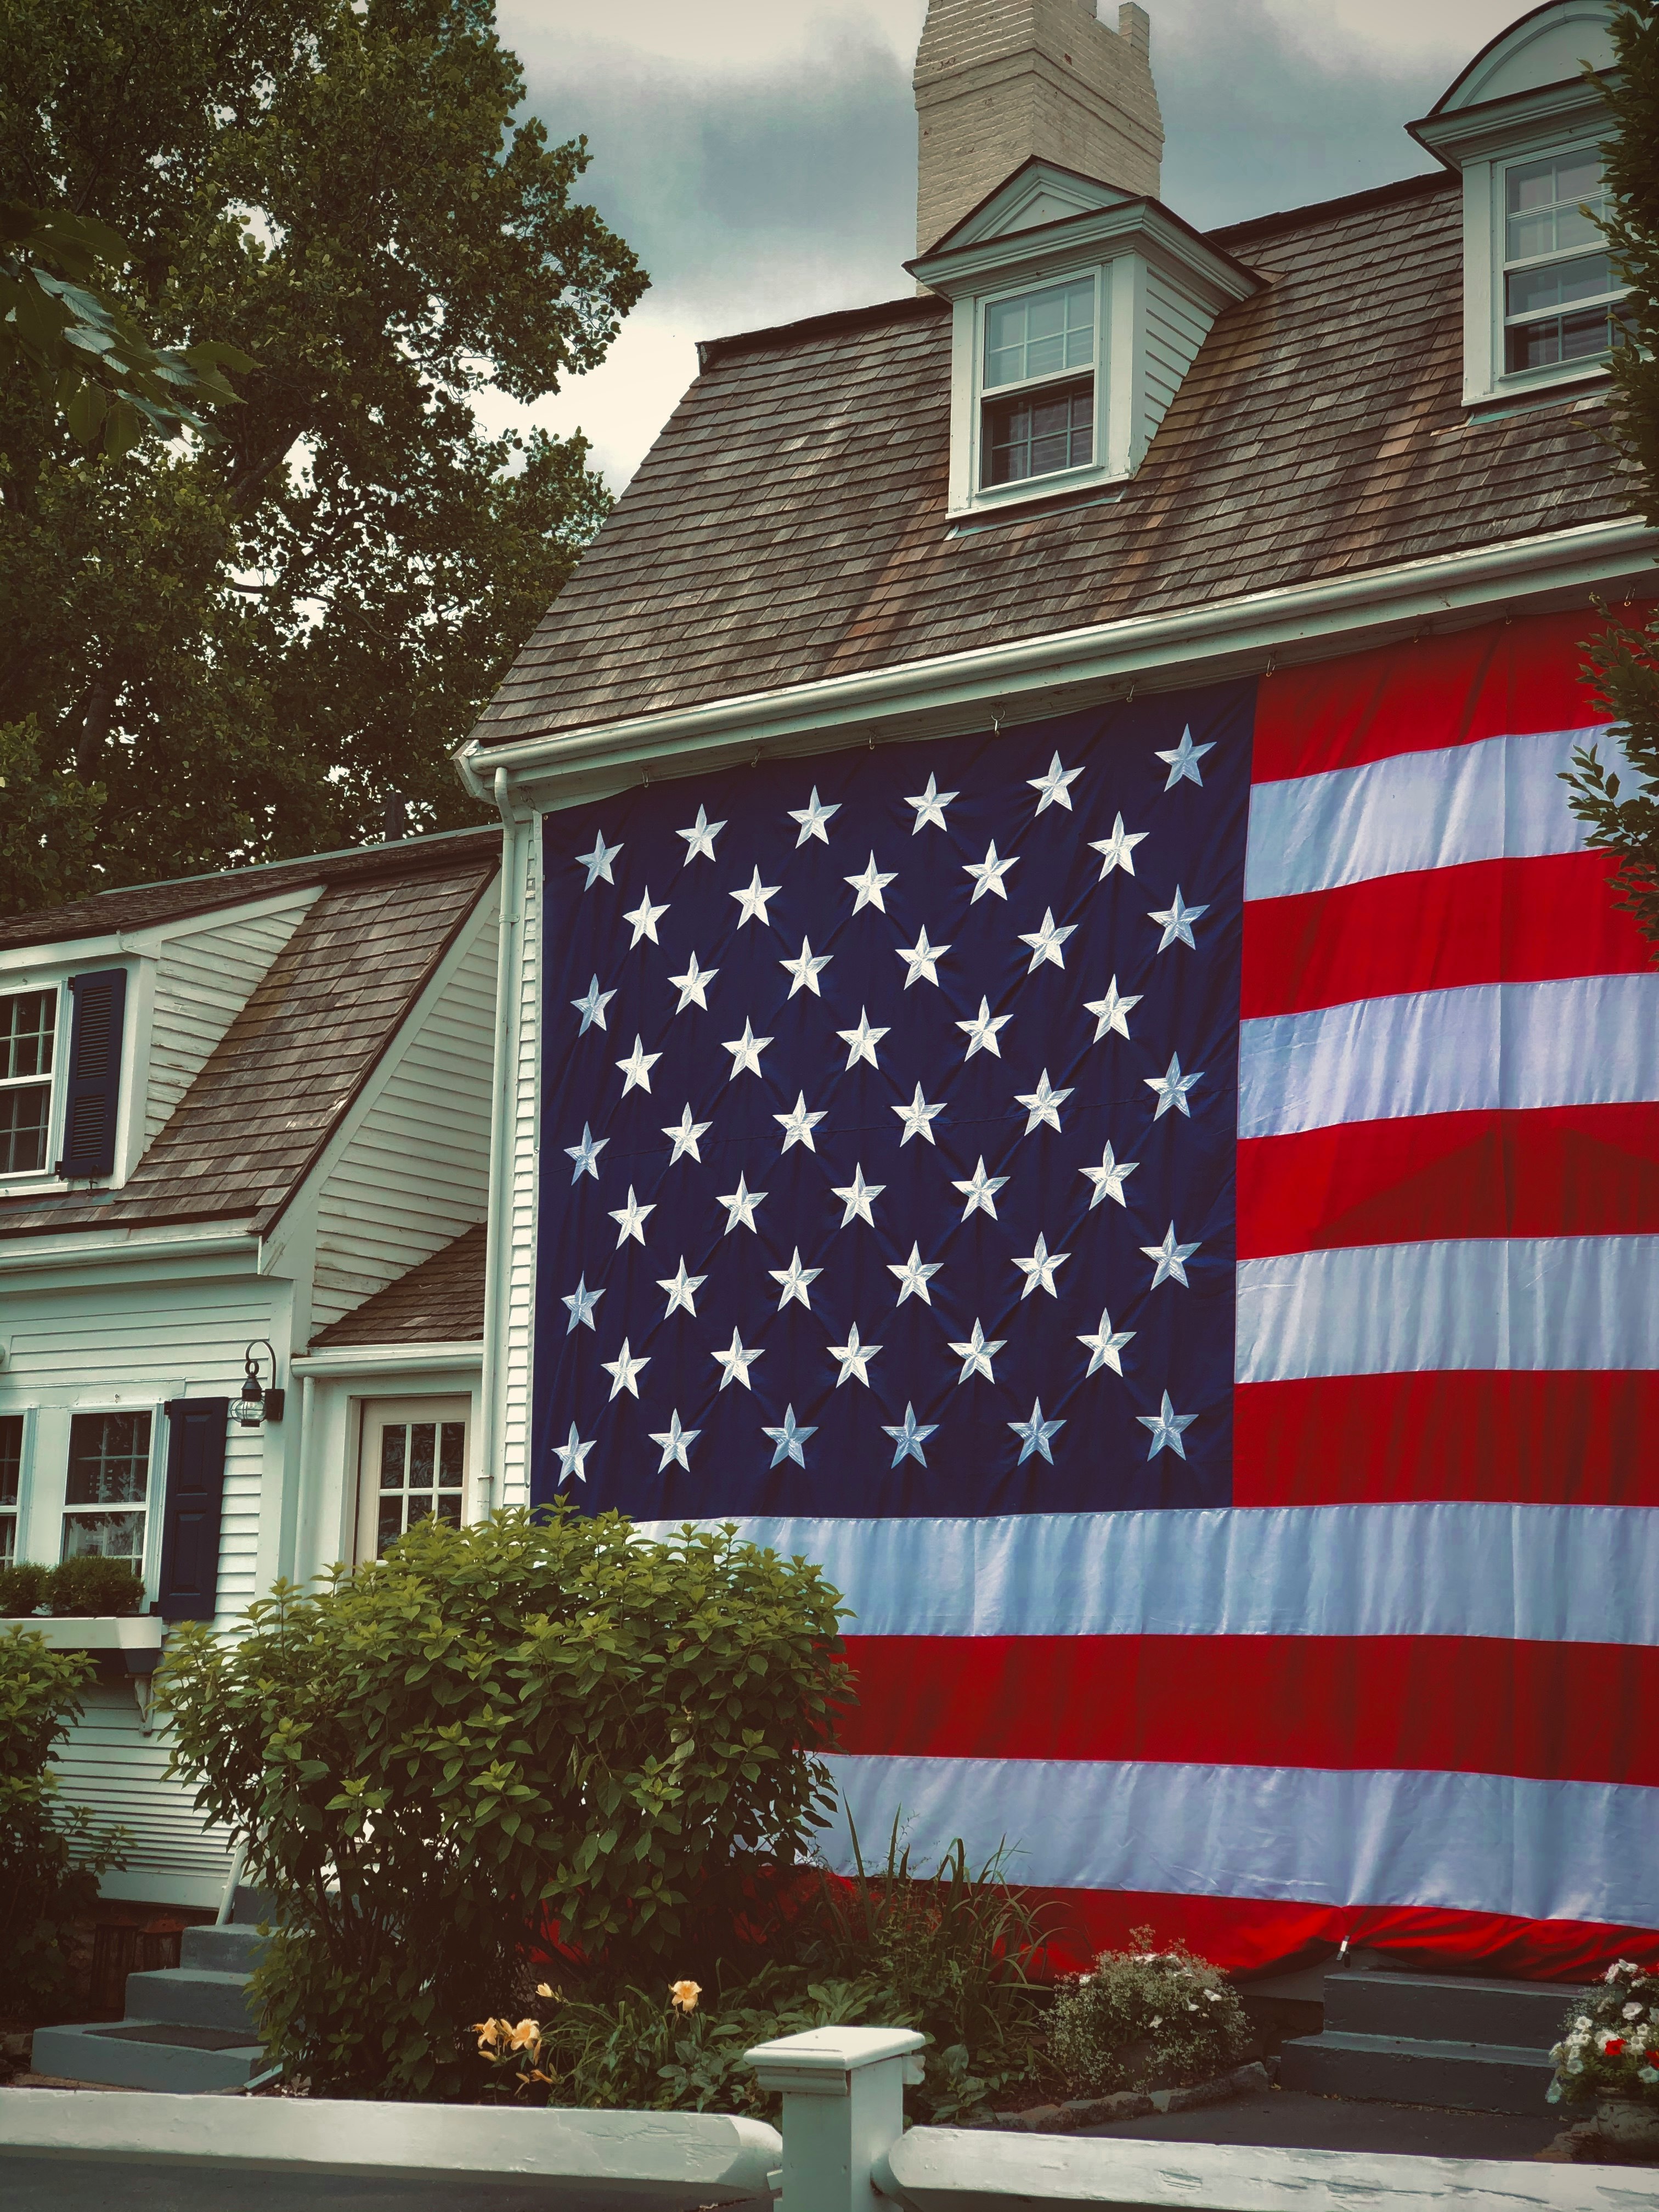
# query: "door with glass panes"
413,1464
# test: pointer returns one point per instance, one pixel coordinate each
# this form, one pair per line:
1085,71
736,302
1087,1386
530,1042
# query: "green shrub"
530,1723
23,1589
92,1588
1146,2019
1609,2043
50,1855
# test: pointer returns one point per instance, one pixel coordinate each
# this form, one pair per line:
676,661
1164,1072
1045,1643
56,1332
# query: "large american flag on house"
1165,1204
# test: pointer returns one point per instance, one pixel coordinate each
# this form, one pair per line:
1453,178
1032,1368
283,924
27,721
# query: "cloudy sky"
759,155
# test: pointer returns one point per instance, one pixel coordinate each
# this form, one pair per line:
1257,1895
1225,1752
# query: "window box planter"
135,1637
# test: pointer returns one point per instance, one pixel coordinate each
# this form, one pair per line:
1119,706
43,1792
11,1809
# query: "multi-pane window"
1561,294
422,1465
108,1489
11,1476
1034,347
28,1024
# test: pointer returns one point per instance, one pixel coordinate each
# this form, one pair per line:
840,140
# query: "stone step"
139,2054
192,1997
1392,2069
1448,2007
228,1950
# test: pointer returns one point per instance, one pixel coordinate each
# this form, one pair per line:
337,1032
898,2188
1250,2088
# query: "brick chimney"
997,81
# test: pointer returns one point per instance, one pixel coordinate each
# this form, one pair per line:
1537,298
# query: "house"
247,1125
1245,1577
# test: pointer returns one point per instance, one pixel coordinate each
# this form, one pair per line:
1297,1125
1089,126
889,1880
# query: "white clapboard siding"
524,1045
119,1773
1175,329
415,1172
203,978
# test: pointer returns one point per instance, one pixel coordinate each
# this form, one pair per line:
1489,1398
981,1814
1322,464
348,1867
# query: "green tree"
1622,810
237,648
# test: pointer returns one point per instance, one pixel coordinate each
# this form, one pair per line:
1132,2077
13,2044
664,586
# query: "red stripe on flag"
1500,680
1434,929
1583,1437
1554,1171
1557,1712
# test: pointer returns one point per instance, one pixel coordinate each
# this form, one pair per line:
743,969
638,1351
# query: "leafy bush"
50,1856
532,1722
92,1587
23,1589
1147,2019
1609,2043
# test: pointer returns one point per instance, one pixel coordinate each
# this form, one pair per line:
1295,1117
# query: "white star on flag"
805,970
1184,760
795,1281
1105,1345
922,958
581,1304
913,1276
680,1289
855,1358
591,1008
736,1361
1166,1426
1117,851
631,1219
798,1124
572,1455
676,1443
976,1353
700,837
745,1052
684,1135
622,1369
597,862
586,1154
858,1194
1172,1259
908,1439
1112,1011
789,1439
812,818
869,887
983,1031
1038,1269
637,1066
693,985
1035,1434
740,1206
918,1118
644,918
987,874
1053,789
861,1042
1109,1177
930,805
752,902
1177,922
1172,1087
981,1191
1045,943
1043,1104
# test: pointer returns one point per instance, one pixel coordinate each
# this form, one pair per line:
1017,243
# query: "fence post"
843,2106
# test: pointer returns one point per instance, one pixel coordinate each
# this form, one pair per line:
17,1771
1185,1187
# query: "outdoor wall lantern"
257,1405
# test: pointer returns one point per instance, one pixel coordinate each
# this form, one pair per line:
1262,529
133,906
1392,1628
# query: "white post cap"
820,2061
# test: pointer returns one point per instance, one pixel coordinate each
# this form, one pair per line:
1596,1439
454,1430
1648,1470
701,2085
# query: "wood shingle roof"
440,1302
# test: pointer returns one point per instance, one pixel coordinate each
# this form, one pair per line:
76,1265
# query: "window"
1036,343
11,1475
108,1489
1560,294
413,1467
28,1026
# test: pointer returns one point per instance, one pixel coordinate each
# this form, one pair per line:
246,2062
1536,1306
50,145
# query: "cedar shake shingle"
440,1302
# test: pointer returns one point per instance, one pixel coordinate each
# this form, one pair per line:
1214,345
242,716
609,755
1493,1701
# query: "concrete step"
1448,2007
1406,2070
192,1997
222,1950
141,2054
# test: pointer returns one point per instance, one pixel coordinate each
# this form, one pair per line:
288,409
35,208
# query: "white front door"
412,1463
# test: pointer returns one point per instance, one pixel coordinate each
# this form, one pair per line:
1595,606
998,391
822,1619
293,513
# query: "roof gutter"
1038,675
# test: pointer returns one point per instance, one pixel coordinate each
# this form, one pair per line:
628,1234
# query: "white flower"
1191,2006
1213,1995
1632,2012
1583,2020
1647,2073
1159,2022
1575,2065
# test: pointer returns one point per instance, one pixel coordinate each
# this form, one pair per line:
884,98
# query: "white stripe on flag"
1501,799
1590,1040
1470,1843
1550,1574
1538,1302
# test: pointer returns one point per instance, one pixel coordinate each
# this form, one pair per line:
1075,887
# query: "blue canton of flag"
889,1115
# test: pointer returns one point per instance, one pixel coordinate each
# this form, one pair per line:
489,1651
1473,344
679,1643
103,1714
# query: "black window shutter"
193,1508
93,1090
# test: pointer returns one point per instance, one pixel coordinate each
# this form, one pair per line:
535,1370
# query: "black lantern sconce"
257,1405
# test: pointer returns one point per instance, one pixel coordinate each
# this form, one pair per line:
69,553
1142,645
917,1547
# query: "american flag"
1163,1204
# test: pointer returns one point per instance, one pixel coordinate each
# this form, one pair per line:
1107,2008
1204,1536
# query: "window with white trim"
1559,298
1037,382
28,1039
106,1498
11,1479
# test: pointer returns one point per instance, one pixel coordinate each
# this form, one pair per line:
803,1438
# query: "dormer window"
1560,295
28,1038
1042,419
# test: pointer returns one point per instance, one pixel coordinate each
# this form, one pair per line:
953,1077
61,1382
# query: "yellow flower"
527,2034
685,1995
488,2032
545,1989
